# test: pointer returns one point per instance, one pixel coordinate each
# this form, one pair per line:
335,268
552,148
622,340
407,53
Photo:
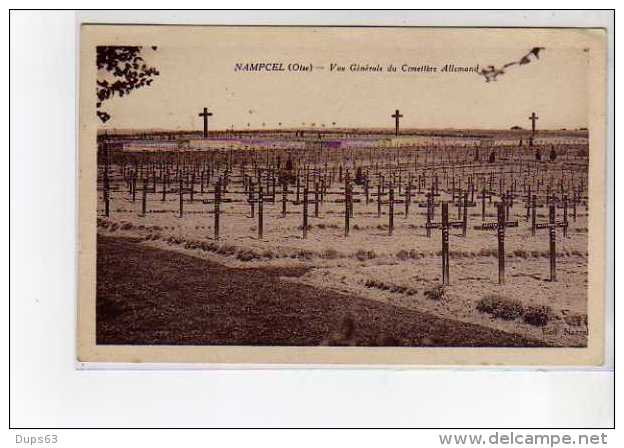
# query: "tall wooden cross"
205,114
533,119
396,117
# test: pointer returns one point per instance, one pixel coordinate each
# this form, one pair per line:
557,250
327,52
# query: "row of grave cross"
462,203
159,169
204,177
457,194
500,226
205,114
397,116
444,225
204,174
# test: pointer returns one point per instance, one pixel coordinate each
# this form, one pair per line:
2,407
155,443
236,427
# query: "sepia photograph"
354,195
376,220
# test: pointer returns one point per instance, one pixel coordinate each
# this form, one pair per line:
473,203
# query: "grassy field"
370,277
150,296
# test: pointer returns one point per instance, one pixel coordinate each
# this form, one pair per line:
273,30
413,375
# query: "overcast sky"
197,69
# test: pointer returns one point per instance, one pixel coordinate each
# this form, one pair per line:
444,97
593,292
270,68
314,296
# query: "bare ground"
147,295
395,270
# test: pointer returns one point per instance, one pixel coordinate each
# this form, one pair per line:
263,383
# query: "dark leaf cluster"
129,71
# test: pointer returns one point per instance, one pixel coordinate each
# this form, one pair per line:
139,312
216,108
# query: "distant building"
316,143
212,144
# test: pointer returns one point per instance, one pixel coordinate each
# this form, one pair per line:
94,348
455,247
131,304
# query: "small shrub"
363,255
192,244
226,249
521,253
485,252
538,315
208,246
330,254
246,255
304,254
458,254
402,255
500,307
267,253
370,284
436,293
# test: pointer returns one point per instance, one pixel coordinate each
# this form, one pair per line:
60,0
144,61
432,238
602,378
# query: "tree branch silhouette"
491,73
121,69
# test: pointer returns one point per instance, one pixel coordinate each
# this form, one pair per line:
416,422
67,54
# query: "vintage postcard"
341,195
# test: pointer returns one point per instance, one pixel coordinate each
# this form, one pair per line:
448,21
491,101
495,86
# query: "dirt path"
151,296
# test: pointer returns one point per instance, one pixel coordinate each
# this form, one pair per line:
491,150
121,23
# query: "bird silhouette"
491,73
